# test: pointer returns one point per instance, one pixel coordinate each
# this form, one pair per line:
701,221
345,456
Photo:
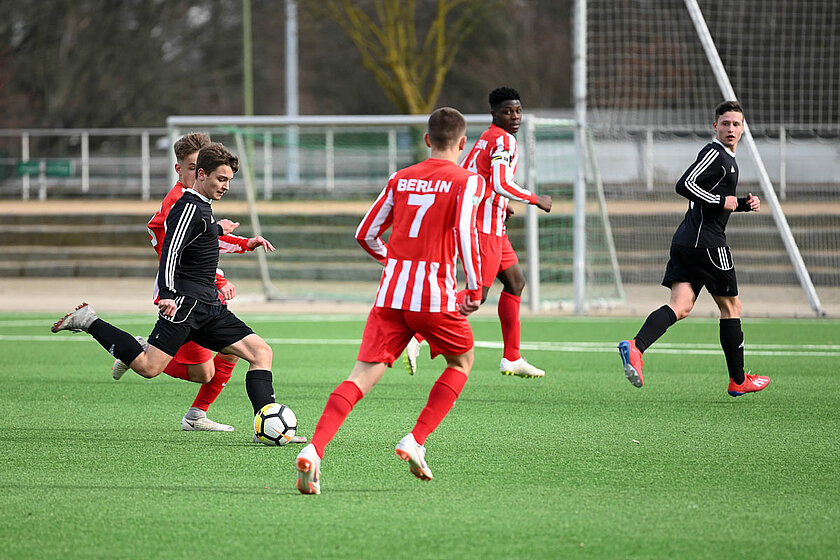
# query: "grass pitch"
577,464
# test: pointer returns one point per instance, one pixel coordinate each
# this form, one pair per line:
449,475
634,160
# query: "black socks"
259,387
118,342
732,342
655,326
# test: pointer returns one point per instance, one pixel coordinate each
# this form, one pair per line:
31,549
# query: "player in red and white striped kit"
430,208
193,362
494,156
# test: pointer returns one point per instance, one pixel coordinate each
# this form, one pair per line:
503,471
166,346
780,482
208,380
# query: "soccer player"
494,156
430,210
701,257
189,304
193,362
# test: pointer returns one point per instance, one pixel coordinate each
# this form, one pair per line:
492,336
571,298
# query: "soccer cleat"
415,454
308,466
632,359
119,368
77,320
203,424
751,384
412,352
520,367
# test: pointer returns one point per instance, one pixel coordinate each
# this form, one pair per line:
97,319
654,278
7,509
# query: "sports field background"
577,464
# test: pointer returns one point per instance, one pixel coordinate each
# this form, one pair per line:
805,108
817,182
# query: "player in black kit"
189,305
700,256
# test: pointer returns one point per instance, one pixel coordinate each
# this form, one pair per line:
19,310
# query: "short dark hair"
726,107
190,143
215,155
446,127
502,94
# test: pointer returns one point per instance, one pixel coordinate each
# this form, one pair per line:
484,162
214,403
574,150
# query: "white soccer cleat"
308,466
77,320
119,368
415,454
520,367
295,439
412,352
203,424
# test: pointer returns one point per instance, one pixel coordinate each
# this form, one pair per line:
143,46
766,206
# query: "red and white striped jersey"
430,208
157,231
494,156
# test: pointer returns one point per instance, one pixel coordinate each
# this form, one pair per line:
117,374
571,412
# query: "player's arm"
157,225
182,224
377,220
701,177
502,176
467,236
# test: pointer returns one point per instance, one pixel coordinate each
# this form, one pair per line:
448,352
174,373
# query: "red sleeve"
377,220
233,244
467,235
502,155
157,225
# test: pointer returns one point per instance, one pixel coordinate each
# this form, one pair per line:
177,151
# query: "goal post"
342,164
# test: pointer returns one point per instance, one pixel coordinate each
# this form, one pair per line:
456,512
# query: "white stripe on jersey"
434,287
417,289
402,284
691,180
451,284
175,245
385,282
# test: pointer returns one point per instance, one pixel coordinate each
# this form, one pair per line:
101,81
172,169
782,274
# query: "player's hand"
468,306
260,241
544,202
167,307
508,212
730,203
228,291
754,202
227,225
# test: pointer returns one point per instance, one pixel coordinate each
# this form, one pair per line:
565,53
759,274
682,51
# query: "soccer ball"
275,424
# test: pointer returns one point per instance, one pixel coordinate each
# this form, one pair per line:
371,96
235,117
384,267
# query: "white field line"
814,350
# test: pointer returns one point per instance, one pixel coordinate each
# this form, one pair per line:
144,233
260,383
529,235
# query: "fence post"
329,148
146,165
85,161
24,156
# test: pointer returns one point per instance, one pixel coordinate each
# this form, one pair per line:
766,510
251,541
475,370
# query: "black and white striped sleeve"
701,177
181,225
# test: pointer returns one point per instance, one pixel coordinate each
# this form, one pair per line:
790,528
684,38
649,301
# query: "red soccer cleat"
632,359
751,384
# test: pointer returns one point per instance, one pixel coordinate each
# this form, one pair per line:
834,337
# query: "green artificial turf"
579,463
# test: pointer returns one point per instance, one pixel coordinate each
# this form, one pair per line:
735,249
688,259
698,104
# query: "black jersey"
190,251
706,184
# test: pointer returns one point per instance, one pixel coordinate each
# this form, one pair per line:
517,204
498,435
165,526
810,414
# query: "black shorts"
211,326
710,267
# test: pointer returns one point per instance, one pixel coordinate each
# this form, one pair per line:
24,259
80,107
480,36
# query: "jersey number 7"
424,201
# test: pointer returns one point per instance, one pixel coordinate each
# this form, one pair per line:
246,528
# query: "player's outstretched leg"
412,352
119,368
632,360
751,384
77,320
520,368
308,466
415,455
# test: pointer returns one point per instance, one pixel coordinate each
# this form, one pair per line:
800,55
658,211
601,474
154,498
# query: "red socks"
509,318
441,400
341,402
209,392
177,370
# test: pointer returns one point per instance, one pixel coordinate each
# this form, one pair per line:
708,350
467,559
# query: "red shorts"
191,353
497,254
388,331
